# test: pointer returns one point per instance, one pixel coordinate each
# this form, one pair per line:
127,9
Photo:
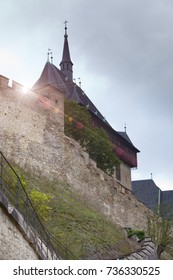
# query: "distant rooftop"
151,195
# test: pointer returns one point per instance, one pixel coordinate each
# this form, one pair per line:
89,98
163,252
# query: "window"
118,172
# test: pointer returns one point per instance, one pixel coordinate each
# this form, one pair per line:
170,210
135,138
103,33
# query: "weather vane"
65,23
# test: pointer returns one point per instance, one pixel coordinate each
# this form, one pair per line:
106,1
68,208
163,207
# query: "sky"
122,50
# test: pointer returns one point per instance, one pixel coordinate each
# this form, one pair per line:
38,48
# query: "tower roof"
51,75
125,136
66,64
66,52
62,80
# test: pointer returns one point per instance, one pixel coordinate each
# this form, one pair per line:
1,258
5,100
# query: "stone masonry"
32,135
28,127
13,245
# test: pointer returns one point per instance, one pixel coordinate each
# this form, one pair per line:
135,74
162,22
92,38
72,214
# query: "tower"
66,65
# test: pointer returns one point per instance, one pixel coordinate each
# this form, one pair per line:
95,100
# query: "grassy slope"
79,227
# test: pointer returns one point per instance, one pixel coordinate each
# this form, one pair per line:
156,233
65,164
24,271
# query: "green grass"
78,226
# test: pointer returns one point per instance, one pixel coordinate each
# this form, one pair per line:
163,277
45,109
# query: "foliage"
82,229
139,233
41,202
10,176
95,141
160,229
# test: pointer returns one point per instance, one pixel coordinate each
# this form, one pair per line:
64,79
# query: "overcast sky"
123,52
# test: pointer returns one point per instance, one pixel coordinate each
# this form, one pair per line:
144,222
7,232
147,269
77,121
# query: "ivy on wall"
95,141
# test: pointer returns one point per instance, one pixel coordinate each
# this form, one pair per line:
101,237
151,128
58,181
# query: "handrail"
13,189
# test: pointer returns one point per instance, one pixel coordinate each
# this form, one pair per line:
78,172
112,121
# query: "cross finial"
48,53
65,23
51,58
79,82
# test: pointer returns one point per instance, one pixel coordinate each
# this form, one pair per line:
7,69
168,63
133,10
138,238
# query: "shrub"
95,141
139,233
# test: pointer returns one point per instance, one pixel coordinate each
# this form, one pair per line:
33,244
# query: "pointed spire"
66,64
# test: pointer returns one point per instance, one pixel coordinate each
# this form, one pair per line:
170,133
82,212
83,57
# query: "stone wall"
31,127
31,134
19,240
108,196
13,245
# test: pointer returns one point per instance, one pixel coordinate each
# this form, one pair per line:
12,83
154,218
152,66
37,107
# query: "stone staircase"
148,251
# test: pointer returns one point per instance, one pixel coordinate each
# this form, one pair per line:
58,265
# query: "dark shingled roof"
125,136
53,76
63,80
147,192
66,52
167,198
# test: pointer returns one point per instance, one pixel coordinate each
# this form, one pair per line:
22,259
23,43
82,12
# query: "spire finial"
79,82
51,57
151,176
125,127
65,23
48,53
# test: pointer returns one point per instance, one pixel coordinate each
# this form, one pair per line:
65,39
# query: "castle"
32,135
63,80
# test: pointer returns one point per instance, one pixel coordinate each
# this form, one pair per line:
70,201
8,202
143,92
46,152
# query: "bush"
139,233
95,141
41,203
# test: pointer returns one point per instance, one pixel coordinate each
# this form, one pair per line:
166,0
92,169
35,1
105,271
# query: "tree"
95,141
160,229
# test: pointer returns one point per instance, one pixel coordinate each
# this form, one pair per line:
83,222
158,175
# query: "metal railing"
13,189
